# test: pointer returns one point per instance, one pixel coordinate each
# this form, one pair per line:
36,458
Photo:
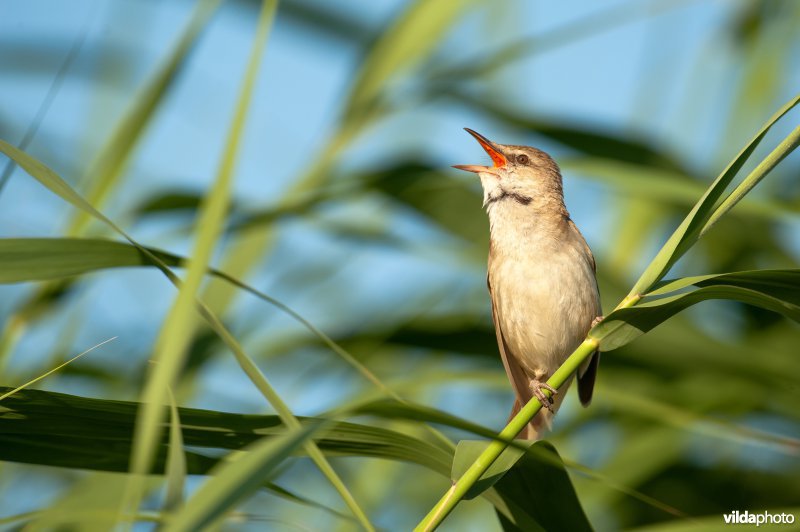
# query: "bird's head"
521,174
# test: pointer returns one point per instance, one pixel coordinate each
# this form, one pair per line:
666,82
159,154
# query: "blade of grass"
47,374
176,461
55,86
41,259
101,428
57,429
627,324
64,430
173,340
769,289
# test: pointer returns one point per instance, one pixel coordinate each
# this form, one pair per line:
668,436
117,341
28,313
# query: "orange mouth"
498,158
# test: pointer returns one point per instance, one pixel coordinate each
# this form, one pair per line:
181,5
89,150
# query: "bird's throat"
506,195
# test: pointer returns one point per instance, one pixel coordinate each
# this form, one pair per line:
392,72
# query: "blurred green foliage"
697,417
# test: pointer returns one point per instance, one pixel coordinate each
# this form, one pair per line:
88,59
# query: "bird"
541,277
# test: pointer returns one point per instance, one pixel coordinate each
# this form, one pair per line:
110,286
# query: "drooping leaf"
775,290
39,259
777,283
544,490
49,428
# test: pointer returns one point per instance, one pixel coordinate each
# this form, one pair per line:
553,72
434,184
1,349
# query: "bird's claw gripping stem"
536,389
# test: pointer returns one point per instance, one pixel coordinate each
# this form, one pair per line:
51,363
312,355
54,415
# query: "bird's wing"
588,372
516,375
586,248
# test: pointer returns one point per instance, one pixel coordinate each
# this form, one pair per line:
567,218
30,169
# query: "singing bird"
541,276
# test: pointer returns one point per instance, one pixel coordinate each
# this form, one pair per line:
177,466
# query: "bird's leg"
537,384
597,320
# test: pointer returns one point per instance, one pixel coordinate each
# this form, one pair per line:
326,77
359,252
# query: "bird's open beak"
491,148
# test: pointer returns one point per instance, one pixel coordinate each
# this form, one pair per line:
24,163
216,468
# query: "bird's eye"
523,159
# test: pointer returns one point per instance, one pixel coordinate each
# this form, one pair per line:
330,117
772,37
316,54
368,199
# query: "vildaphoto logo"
762,518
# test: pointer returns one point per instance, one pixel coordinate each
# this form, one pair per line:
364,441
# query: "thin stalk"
460,487
497,446
55,86
48,373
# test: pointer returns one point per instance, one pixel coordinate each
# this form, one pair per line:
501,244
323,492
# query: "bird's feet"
597,320
536,388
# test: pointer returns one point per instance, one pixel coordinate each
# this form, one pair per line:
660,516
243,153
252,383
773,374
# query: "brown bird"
541,276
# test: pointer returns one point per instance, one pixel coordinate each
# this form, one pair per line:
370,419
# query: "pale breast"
545,293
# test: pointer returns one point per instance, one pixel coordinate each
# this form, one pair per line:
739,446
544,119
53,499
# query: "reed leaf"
234,480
